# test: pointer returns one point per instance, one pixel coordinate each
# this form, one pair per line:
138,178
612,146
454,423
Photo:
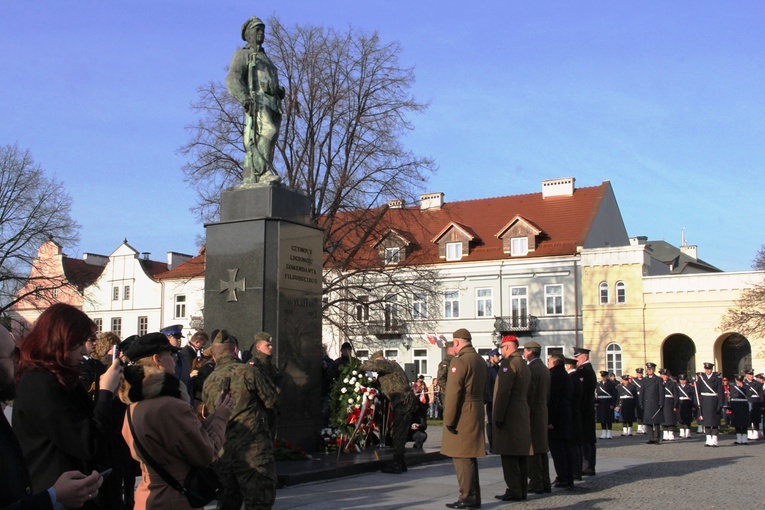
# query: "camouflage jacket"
255,393
393,381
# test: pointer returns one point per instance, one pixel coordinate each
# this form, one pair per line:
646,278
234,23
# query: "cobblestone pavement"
631,474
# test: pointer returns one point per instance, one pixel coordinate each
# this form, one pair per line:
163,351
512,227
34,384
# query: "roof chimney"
638,240
691,250
431,201
145,255
558,187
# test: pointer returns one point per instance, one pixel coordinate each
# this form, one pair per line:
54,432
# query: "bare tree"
346,113
33,209
747,317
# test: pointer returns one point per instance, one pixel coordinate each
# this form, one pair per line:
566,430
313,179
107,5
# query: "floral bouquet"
352,408
285,450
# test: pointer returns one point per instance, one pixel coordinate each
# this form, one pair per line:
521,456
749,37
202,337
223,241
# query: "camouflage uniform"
443,373
395,386
246,462
262,363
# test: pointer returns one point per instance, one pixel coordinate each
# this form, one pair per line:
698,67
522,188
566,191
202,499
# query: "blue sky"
666,100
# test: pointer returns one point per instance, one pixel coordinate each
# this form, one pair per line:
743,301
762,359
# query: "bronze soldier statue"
253,81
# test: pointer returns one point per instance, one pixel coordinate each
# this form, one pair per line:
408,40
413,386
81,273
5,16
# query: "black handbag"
201,485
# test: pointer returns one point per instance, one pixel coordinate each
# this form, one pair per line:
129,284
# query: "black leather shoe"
509,497
588,473
459,504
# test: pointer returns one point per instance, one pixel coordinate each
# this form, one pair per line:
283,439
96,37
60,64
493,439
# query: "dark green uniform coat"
511,408
464,407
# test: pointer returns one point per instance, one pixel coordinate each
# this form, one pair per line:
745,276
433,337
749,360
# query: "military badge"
454,370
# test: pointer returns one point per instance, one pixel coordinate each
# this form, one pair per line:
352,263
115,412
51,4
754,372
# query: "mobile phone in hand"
227,385
105,473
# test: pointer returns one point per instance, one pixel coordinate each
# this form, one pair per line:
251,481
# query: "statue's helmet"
252,22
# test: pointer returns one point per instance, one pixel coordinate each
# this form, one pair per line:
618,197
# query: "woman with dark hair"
60,428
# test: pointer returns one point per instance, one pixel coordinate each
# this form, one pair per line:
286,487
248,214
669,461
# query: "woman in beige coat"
165,422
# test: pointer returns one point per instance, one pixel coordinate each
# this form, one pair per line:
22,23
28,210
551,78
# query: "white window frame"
519,246
519,306
99,324
621,292
179,310
117,326
484,302
126,292
362,354
362,309
454,251
614,358
143,325
392,256
420,360
554,299
391,354
115,293
419,305
451,304
604,296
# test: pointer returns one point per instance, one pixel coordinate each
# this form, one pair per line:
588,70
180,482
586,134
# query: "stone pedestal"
263,273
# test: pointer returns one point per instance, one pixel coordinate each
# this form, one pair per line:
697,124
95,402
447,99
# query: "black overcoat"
652,400
587,406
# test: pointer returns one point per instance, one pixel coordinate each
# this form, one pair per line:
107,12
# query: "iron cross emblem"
232,285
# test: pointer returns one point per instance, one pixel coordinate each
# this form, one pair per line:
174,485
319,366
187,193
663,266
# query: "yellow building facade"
634,312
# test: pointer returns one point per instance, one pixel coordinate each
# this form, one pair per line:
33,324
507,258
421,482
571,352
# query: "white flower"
350,401
343,390
345,381
352,381
354,373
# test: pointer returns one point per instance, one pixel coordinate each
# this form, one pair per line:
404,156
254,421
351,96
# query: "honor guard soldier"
652,402
638,382
627,404
711,398
670,405
589,381
739,406
684,406
755,395
606,400
575,444
539,391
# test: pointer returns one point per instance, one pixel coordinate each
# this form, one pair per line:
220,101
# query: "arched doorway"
679,355
736,354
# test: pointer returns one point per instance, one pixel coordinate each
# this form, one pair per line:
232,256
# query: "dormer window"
520,236
519,246
393,247
453,251
392,255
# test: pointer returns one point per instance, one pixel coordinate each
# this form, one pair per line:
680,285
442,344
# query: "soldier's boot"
663,435
403,465
714,440
700,429
749,434
603,434
744,439
709,440
396,466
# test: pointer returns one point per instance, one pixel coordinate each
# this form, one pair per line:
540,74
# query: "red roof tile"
192,268
565,221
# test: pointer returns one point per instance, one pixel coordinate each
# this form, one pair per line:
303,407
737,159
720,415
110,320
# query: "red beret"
509,338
